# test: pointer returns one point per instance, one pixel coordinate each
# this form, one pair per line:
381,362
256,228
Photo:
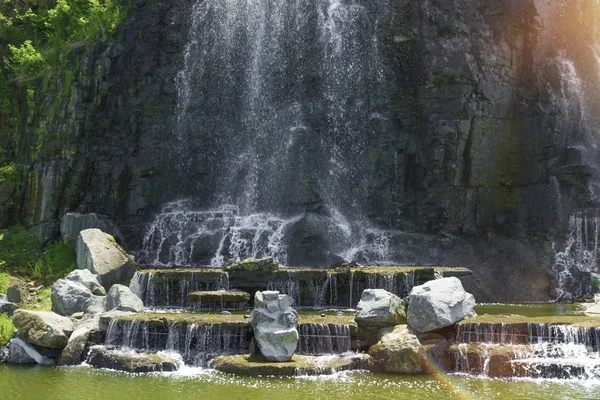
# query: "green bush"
7,329
19,250
55,263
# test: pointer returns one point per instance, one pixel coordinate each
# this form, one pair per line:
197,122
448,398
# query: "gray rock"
275,325
123,299
87,279
99,253
69,297
378,309
73,351
14,295
43,328
267,264
73,223
133,362
439,303
3,354
398,351
20,352
6,307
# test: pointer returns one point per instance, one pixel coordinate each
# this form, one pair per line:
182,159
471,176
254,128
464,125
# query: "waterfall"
196,343
319,339
527,349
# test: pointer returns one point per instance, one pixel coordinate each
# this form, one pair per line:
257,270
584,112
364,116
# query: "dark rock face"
473,145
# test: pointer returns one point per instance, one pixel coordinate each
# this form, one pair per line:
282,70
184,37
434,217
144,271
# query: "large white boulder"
43,328
73,223
20,352
99,253
121,298
87,279
378,309
69,297
275,325
439,303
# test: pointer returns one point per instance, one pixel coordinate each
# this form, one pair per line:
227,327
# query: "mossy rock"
131,362
267,264
218,297
256,365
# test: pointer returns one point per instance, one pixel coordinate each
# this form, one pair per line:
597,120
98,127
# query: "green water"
51,383
530,310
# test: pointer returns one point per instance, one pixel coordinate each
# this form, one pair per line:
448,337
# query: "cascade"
527,349
319,339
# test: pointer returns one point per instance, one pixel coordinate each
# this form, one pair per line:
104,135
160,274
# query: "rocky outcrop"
69,297
20,352
132,362
99,253
439,303
88,279
6,307
398,351
73,223
378,309
42,328
121,298
275,325
267,264
13,294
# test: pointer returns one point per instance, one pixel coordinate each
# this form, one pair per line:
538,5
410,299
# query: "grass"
574,320
7,329
44,303
22,254
4,282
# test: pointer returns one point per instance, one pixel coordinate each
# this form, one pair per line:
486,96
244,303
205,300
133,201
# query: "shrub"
19,250
4,282
55,263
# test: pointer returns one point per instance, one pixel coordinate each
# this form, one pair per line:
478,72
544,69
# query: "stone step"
219,300
555,368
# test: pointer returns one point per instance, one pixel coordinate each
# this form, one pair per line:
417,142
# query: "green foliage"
21,254
4,282
596,283
7,329
9,172
19,249
44,301
55,263
25,59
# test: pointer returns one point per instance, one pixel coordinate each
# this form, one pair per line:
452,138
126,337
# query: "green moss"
9,172
7,329
218,296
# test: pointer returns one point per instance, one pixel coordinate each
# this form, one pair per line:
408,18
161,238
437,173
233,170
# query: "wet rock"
73,223
3,354
257,365
69,297
275,325
99,253
398,351
6,307
334,261
267,264
132,362
43,328
378,309
73,351
13,295
439,303
87,279
121,298
20,352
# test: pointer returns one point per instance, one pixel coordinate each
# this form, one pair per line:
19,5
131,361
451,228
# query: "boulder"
13,294
378,309
99,253
6,307
123,299
3,354
73,223
267,264
275,325
73,351
87,279
133,362
43,328
439,303
20,352
69,297
398,351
